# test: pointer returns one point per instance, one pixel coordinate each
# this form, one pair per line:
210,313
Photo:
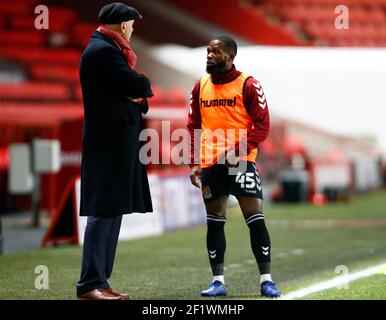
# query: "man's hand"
231,160
138,100
142,104
195,176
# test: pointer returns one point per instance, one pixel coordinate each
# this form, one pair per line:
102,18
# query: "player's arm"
257,107
194,124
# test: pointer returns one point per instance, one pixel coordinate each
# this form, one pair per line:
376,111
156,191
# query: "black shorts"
216,181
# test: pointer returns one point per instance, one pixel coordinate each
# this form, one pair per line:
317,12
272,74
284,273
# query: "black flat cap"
117,12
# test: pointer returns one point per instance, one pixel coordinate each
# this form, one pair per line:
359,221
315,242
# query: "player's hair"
230,44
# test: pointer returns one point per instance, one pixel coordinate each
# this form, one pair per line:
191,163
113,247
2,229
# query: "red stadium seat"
4,159
41,55
22,22
177,96
34,91
63,14
27,22
22,38
316,17
14,8
42,72
81,33
33,115
78,93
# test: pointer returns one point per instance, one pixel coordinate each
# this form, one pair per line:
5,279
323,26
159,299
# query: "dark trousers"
100,243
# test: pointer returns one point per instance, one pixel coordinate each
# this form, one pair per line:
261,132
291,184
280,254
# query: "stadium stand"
251,24
316,20
34,91
45,99
54,73
27,55
296,22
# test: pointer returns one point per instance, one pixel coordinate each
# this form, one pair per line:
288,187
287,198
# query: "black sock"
260,241
216,243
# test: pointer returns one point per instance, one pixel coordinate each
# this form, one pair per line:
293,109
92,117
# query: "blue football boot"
268,289
215,289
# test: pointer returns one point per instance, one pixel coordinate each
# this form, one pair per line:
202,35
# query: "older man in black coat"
114,182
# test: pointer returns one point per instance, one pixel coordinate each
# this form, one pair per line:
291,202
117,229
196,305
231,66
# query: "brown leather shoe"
124,296
100,294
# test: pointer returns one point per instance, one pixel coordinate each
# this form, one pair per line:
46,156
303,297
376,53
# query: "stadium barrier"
22,124
67,226
367,173
332,179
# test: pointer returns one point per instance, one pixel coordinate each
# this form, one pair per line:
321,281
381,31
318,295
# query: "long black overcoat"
113,181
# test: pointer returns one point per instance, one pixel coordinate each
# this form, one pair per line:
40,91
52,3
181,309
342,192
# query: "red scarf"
122,43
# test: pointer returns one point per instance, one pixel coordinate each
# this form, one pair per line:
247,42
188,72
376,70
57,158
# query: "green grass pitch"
308,243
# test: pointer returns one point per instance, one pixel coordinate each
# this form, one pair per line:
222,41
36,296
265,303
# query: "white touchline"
337,281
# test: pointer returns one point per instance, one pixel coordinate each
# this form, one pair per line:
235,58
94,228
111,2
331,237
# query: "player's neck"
225,76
